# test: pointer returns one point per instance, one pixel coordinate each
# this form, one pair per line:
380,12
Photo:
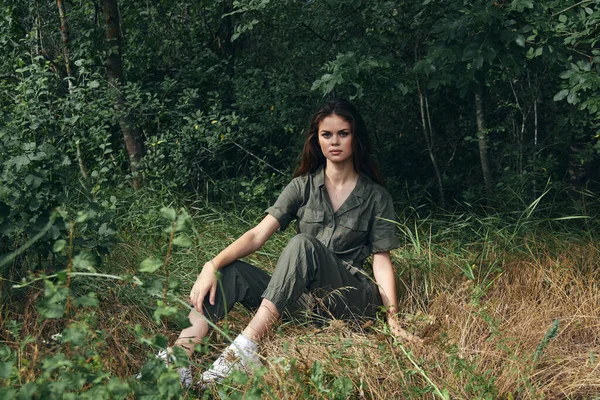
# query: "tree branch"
314,33
573,6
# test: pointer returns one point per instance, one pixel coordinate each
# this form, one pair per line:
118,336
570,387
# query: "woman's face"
335,139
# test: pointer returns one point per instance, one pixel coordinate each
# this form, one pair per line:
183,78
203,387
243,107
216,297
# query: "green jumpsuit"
324,259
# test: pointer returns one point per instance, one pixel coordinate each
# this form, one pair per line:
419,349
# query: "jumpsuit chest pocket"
310,220
352,231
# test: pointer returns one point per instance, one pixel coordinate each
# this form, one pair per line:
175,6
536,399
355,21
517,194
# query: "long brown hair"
313,158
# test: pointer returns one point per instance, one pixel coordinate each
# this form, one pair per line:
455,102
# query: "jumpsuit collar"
355,198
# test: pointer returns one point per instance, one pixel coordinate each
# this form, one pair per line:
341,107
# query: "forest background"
137,138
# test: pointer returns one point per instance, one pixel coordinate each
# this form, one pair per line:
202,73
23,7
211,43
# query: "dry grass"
478,342
483,336
502,330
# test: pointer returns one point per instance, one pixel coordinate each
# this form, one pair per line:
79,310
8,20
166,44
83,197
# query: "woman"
343,216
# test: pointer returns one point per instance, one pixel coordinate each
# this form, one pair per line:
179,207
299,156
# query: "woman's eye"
326,135
344,134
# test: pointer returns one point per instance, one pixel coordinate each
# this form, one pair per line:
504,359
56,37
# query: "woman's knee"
301,241
295,256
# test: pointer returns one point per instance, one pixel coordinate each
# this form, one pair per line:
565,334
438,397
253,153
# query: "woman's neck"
340,174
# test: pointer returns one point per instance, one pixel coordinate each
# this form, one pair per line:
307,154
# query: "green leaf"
163,310
27,391
62,275
562,18
525,29
4,192
93,84
33,181
52,304
343,386
183,220
55,362
8,394
182,240
561,95
5,351
104,230
152,369
169,385
59,245
89,300
150,265
168,213
520,40
403,88
84,260
240,378
5,369
468,271
117,388
75,335
572,98
478,61
82,216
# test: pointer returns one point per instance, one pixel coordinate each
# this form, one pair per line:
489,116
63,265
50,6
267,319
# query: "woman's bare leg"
262,322
192,335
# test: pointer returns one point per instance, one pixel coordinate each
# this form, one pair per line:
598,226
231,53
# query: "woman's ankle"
187,344
262,322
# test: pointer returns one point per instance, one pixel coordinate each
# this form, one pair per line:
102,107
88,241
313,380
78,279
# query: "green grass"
503,302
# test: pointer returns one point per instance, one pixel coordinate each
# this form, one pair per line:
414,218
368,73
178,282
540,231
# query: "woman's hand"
249,242
206,283
400,333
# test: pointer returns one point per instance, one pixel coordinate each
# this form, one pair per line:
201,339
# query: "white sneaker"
241,355
185,373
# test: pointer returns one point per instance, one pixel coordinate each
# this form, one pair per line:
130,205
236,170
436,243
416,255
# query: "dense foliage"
219,95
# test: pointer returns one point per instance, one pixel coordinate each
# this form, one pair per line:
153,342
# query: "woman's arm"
384,276
248,243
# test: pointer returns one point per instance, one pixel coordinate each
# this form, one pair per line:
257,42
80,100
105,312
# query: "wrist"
210,265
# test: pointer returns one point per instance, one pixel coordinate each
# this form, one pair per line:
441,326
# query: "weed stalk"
166,266
69,267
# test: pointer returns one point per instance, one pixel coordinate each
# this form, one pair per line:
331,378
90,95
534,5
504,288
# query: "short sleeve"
286,207
383,235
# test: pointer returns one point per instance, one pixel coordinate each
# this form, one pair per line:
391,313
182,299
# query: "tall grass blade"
550,334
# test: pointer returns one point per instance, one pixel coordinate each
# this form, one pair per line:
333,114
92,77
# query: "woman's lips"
335,152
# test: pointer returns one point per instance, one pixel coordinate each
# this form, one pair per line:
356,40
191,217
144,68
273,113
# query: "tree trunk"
65,38
483,140
114,71
39,45
224,47
577,166
429,141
